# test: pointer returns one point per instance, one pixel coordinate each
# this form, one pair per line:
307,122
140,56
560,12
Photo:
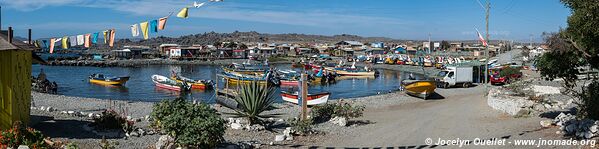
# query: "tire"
446,85
465,85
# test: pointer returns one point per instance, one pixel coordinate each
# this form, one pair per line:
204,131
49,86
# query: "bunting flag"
162,23
153,26
112,32
183,13
87,42
73,40
51,45
95,38
134,30
80,40
105,36
65,44
45,43
144,29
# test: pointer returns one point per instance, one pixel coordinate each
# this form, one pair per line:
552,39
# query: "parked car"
504,78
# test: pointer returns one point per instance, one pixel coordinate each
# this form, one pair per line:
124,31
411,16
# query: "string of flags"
88,39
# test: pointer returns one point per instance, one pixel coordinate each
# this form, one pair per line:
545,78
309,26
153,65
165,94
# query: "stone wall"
509,104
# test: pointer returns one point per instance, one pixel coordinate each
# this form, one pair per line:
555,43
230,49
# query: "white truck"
453,76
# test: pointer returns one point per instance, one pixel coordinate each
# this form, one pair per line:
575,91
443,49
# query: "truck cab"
453,76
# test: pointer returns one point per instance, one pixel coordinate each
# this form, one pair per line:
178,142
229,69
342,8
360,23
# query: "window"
450,75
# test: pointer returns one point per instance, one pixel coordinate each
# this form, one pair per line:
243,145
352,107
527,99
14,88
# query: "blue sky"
400,19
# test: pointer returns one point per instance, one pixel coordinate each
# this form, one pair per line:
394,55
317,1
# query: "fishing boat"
348,72
427,63
419,88
195,84
247,68
167,83
103,80
313,99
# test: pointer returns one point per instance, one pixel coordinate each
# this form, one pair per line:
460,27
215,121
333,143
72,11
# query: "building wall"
15,87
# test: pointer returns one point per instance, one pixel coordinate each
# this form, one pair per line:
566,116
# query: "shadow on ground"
73,129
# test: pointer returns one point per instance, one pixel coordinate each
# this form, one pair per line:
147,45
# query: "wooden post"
304,95
29,35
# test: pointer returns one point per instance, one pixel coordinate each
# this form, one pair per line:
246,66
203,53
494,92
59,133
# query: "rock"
571,128
255,127
164,142
287,131
134,134
151,132
50,109
70,112
141,131
42,108
81,113
23,147
33,108
279,138
271,143
539,108
593,128
129,118
147,118
90,115
236,126
289,138
588,134
546,123
558,132
523,112
341,121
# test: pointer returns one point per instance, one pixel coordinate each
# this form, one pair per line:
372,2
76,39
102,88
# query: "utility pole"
487,47
531,40
429,43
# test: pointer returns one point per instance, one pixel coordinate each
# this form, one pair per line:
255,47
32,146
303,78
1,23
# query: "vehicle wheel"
465,85
446,85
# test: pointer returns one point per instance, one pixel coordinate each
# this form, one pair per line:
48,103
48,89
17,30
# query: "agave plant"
253,99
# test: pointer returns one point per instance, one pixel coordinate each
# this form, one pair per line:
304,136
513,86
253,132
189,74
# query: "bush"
110,119
301,127
509,71
19,134
195,125
589,101
322,113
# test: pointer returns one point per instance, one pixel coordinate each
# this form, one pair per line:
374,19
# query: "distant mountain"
248,37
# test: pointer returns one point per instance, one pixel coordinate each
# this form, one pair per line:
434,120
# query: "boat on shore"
419,88
167,83
313,99
347,72
195,84
103,80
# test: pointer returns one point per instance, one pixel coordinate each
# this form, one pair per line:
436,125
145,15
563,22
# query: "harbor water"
73,81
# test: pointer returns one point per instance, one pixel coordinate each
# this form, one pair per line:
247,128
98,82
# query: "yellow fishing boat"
102,80
419,88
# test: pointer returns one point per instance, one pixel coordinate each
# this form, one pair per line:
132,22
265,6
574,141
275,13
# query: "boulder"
571,128
90,115
546,123
588,134
279,138
236,126
134,134
165,142
289,138
593,128
23,147
341,121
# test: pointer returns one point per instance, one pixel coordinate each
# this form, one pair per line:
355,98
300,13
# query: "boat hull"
313,99
349,73
194,84
157,78
422,89
120,81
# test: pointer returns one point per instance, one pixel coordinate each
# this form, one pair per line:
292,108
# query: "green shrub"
301,127
508,71
589,101
253,99
195,125
322,113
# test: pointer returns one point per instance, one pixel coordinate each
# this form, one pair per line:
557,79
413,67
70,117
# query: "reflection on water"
72,81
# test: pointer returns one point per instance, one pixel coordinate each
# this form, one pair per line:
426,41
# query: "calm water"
72,81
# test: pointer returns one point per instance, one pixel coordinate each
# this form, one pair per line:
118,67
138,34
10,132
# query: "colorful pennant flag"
73,40
95,38
112,32
52,45
183,13
162,23
65,44
80,40
134,30
144,29
105,36
154,26
87,42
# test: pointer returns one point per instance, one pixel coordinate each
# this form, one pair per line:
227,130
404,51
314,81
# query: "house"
344,52
165,49
16,58
241,53
355,45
